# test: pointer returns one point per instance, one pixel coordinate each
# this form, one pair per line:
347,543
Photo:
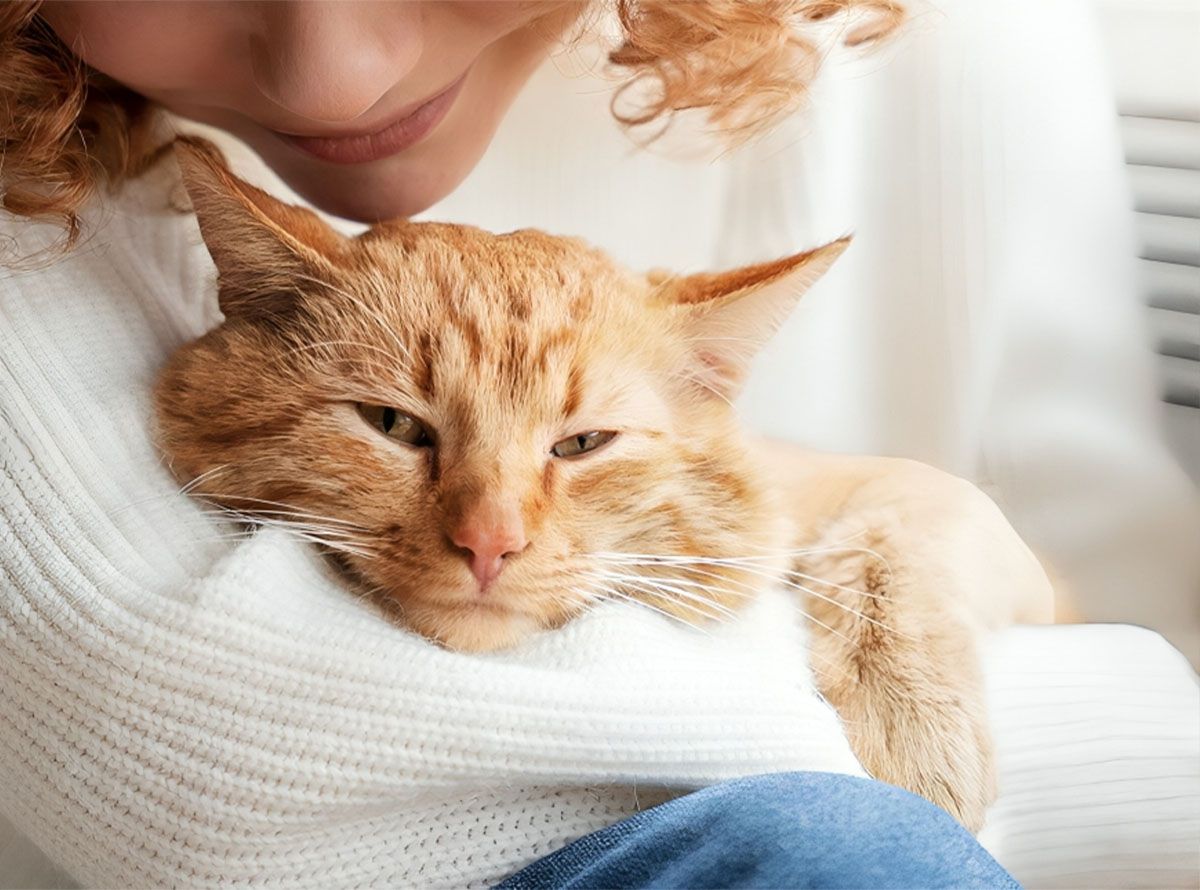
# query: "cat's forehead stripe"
469,329
574,393
525,269
424,363
525,324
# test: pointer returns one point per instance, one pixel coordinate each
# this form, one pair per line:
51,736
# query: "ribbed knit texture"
185,710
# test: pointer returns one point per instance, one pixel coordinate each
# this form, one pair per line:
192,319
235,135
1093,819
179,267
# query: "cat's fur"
505,344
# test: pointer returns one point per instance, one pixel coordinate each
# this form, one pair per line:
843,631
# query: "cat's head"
488,431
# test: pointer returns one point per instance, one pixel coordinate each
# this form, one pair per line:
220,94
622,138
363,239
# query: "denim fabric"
788,830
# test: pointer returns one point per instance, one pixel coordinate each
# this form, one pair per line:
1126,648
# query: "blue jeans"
787,830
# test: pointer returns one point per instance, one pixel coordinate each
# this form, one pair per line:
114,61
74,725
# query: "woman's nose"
332,61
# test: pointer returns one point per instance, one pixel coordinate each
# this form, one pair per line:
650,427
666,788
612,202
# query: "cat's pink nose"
489,533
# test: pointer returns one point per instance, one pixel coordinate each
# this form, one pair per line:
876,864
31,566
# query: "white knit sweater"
177,709
185,709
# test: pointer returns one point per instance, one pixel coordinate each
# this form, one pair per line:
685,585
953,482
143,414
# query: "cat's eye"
396,425
583,443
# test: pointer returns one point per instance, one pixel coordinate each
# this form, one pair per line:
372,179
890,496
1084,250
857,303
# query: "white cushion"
1098,743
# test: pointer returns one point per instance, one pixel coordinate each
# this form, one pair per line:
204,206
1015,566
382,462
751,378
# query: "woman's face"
370,110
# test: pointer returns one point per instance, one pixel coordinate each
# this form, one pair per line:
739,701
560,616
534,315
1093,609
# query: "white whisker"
832,630
392,366
750,566
737,562
203,477
852,611
291,508
823,582
362,306
671,587
681,598
800,587
694,378
184,489
619,596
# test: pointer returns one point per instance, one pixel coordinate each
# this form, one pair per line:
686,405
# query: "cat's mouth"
475,625
462,618
485,604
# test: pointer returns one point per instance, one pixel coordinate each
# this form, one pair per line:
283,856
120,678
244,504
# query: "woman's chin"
394,187
374,193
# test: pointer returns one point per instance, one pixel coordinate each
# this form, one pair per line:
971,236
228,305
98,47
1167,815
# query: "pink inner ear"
714,371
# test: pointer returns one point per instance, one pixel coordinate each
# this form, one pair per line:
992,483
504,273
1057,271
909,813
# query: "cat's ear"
727,317
263,249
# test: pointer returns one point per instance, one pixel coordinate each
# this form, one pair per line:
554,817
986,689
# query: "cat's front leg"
903,674
906,568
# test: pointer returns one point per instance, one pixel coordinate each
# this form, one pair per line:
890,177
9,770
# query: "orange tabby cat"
492,432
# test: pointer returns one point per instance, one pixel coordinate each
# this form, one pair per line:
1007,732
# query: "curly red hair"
65,129
745,64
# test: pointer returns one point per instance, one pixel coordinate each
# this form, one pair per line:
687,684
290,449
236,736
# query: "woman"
382,110
418,93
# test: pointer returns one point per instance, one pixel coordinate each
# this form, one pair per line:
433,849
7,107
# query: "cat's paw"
938,749
903,672
896,618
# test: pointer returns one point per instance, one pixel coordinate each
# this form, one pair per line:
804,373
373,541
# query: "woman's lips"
362,148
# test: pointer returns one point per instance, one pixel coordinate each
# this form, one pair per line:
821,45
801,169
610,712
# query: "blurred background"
1153,50
1024,179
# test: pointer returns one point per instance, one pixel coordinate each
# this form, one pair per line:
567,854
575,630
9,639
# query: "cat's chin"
473,627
